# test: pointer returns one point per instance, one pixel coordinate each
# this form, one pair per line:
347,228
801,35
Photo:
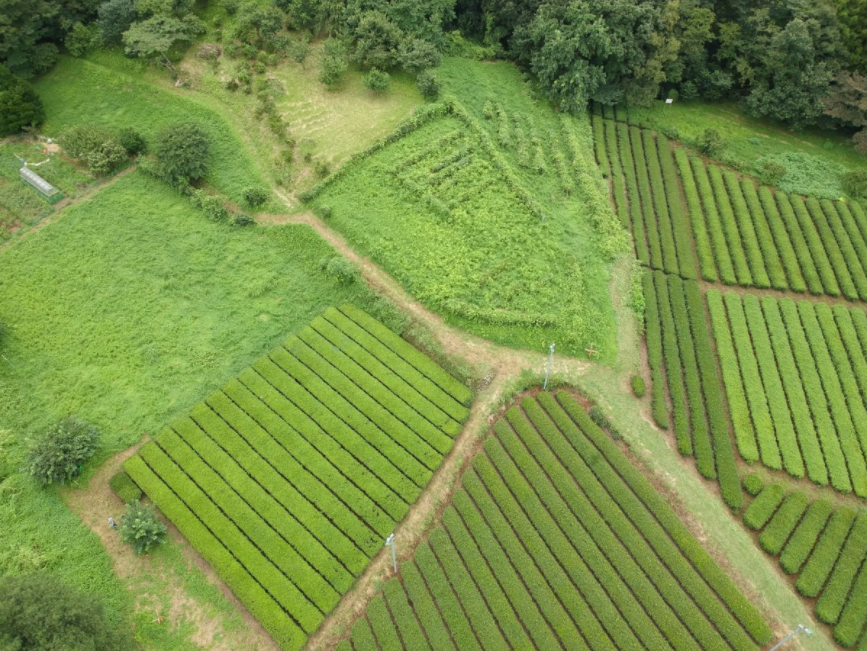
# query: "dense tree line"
794,62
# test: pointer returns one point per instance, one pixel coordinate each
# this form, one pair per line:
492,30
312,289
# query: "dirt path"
64,203
171,604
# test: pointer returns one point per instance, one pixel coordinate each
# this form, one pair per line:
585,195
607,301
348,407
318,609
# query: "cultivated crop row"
556,541
795,375
754,237
681,359
289,478
826,548
647,195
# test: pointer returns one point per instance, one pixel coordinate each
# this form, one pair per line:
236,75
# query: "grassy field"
127,311
556,537
20,205
815,158
499,242
110,93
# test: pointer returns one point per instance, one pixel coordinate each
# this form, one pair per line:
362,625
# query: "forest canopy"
798,63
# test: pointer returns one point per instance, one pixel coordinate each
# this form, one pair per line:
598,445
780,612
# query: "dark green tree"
428,85
793,82
39,613
115,17
153,38
847,103
182,152
606,50
377,80
257,24
57,456
20,106
332,63
852,15
377,41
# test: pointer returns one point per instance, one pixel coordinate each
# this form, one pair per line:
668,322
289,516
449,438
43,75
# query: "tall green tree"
20,106
115,17
852,15
155,37
793,81
847,103
605,50
31,29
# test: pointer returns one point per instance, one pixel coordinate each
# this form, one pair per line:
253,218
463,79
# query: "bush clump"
40,613
710,143
637,383
855,183
124,487
341,269
753,484
98,148
141,528
255,196
428,85
599,417
243,219
58,455
132,141
377,80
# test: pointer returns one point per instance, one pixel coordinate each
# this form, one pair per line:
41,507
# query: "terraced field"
825,548
289,478
795,374
556,540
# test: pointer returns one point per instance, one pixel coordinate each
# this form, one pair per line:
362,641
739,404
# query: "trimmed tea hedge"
289,478
555,537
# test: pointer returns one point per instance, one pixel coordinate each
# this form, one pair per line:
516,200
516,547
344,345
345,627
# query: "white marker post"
548,370
389,542
800,628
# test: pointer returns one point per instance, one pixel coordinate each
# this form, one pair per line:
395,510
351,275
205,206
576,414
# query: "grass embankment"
125,312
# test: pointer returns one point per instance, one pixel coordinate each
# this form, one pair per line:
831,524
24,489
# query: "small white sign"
669,101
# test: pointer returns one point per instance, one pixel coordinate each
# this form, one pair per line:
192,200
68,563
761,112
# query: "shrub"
321,168
99,150
710,142
60,453
140,527
324,212
132,141
753,484
182,152
599,417
771,172
671,131
242,219
214,208
428,85
332,65
807,174
340,269
377,80
124,487
855,183
39,613
255,196
637,383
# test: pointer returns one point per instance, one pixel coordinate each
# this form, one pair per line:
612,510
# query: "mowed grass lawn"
77,91
126,312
